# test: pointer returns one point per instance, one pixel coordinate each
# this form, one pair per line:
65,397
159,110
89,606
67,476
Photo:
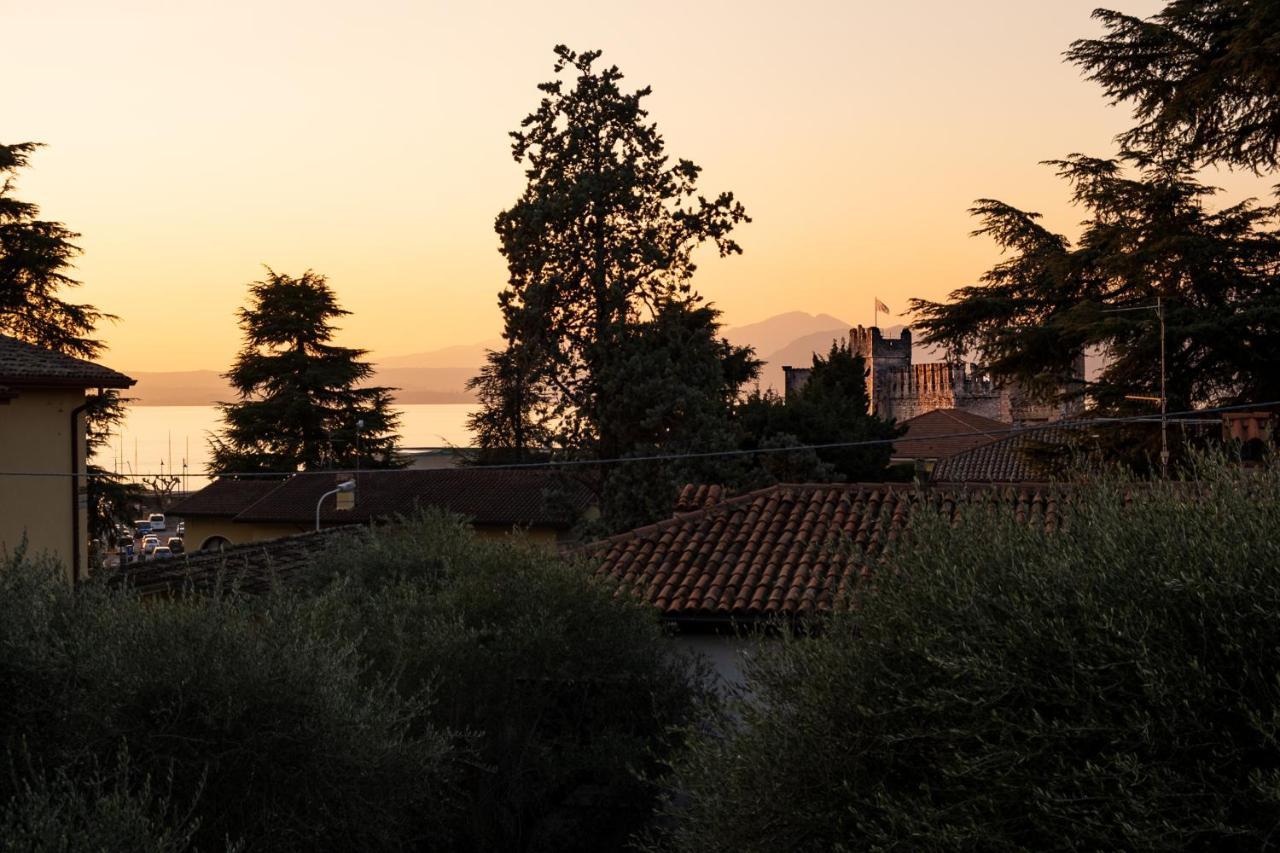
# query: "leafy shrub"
105,812
1115,685
275,731
566,693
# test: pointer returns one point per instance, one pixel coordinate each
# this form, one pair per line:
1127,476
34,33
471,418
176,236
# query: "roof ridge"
951,414
262,497
748,497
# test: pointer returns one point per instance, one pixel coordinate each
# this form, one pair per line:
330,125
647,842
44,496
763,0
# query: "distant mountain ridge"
206,387
470,356
774,333
440,375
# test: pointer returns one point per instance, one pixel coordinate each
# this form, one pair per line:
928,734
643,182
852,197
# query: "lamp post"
348,486
1163,399
359,426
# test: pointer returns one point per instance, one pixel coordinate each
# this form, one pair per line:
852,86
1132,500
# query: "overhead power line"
1189,415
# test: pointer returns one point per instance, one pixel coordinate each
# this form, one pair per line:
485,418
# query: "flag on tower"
880,306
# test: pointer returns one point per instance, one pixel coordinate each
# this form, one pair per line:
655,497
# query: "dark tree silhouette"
1203,77
512,422
670,389
831,408
301,405
36,260
603,233
1150,233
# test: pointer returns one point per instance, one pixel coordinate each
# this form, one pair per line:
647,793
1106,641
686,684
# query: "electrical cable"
711,454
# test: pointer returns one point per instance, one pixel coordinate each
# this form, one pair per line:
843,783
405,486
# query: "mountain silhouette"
440,375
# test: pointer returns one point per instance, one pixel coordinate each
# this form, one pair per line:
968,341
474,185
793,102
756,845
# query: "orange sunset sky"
191,143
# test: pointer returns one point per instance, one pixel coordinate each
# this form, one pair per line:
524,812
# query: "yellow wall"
543,537
35,437
200,529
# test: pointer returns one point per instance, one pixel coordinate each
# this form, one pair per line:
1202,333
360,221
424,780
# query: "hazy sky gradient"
190,143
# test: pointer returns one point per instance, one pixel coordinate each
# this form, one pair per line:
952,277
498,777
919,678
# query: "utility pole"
359,426
1163,399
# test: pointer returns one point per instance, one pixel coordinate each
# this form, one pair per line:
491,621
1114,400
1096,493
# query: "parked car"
161,552
141,528
149,544
157,520
175,544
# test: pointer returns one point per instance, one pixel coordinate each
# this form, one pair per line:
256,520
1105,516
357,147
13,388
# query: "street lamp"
1163,399
359,426
348,486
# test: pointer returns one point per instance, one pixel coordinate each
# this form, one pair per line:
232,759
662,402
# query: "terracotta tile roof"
250,568
945,432
223,497
507,497
694,496
785,550
1008,460
24,364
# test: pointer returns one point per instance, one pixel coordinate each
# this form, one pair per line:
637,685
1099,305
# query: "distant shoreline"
411,386
416,398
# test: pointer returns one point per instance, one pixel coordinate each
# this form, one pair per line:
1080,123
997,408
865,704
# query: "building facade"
901,390
540,506
43,489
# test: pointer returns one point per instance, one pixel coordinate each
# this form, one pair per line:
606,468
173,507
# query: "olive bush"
278,734
565,696
1111,685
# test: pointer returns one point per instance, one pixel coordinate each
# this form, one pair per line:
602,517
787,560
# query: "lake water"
162,439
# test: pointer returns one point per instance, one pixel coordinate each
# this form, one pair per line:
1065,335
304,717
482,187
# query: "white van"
157,520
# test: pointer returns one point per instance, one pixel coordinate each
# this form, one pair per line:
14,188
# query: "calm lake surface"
160,439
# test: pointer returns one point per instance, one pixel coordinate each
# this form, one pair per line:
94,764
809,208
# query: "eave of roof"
25,365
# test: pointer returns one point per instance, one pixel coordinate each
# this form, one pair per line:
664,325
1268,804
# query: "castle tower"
885,358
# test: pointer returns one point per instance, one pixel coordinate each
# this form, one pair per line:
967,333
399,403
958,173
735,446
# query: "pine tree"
301,406
670,390
831,408
603,233
511,425
1151,233
36,259
1203,77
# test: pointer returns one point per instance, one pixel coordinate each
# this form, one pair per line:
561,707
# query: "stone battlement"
940,377
869,344
899,389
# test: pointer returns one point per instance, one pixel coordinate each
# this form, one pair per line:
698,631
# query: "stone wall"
901,390
922,388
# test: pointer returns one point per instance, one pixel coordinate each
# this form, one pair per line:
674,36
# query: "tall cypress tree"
300,406
603,233
36,260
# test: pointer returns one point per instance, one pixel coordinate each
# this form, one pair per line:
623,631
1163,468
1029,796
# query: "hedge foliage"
1112,686
567,697
277,733
418,688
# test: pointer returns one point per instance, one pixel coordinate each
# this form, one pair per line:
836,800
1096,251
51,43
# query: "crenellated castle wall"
920,388
901,390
